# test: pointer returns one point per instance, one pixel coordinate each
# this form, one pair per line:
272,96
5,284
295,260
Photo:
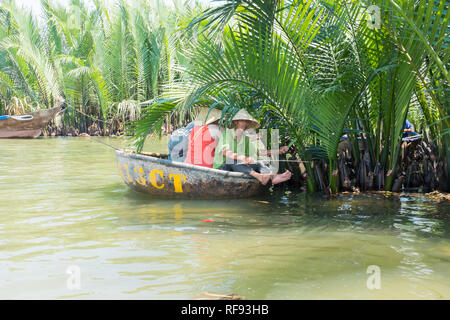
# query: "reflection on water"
63,204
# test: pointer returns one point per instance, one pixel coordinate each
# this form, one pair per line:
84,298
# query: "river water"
71,229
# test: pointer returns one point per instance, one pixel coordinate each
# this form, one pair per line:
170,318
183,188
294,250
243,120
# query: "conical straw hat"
214,115
206,116
244,115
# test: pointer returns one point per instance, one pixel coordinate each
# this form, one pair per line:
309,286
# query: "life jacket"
178,143
201,147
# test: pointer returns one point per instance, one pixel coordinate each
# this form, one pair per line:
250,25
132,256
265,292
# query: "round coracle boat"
154,174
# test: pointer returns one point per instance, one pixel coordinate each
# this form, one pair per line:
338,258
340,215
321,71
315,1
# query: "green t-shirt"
228,141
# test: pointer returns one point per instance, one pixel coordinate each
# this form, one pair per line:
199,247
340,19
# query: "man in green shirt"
235,151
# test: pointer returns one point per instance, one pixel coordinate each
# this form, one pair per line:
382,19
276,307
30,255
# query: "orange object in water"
207,220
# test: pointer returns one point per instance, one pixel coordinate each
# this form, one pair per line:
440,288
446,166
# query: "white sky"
35,5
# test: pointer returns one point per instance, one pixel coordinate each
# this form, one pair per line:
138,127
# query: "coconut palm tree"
28,54
105,58
72,30
321,69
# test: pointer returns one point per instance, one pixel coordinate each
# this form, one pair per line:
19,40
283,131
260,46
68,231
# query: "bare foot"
282,177
263,178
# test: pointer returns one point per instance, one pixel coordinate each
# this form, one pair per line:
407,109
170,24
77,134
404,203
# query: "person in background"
408,129
235,151
203,140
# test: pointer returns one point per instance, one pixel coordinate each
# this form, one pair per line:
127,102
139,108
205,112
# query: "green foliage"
319,69
100,58
315,69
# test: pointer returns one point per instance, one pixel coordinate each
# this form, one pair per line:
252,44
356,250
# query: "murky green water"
64,208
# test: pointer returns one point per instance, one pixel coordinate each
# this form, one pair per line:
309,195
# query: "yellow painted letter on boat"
125,166
177,181
153,178
141,179
120,170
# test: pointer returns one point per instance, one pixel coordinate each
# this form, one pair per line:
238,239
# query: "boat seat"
24,117
412,138
156,155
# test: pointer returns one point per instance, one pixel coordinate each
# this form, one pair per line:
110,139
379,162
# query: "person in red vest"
203,141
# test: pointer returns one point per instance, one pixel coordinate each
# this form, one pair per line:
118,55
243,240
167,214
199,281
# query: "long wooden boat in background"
29,125
153,174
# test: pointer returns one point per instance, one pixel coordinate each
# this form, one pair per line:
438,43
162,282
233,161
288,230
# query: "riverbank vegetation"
321,71
104,57
337,78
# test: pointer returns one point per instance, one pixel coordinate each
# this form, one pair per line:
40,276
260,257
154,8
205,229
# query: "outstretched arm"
282,150
239,157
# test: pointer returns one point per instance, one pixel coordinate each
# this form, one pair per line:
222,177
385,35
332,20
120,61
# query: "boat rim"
183,165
